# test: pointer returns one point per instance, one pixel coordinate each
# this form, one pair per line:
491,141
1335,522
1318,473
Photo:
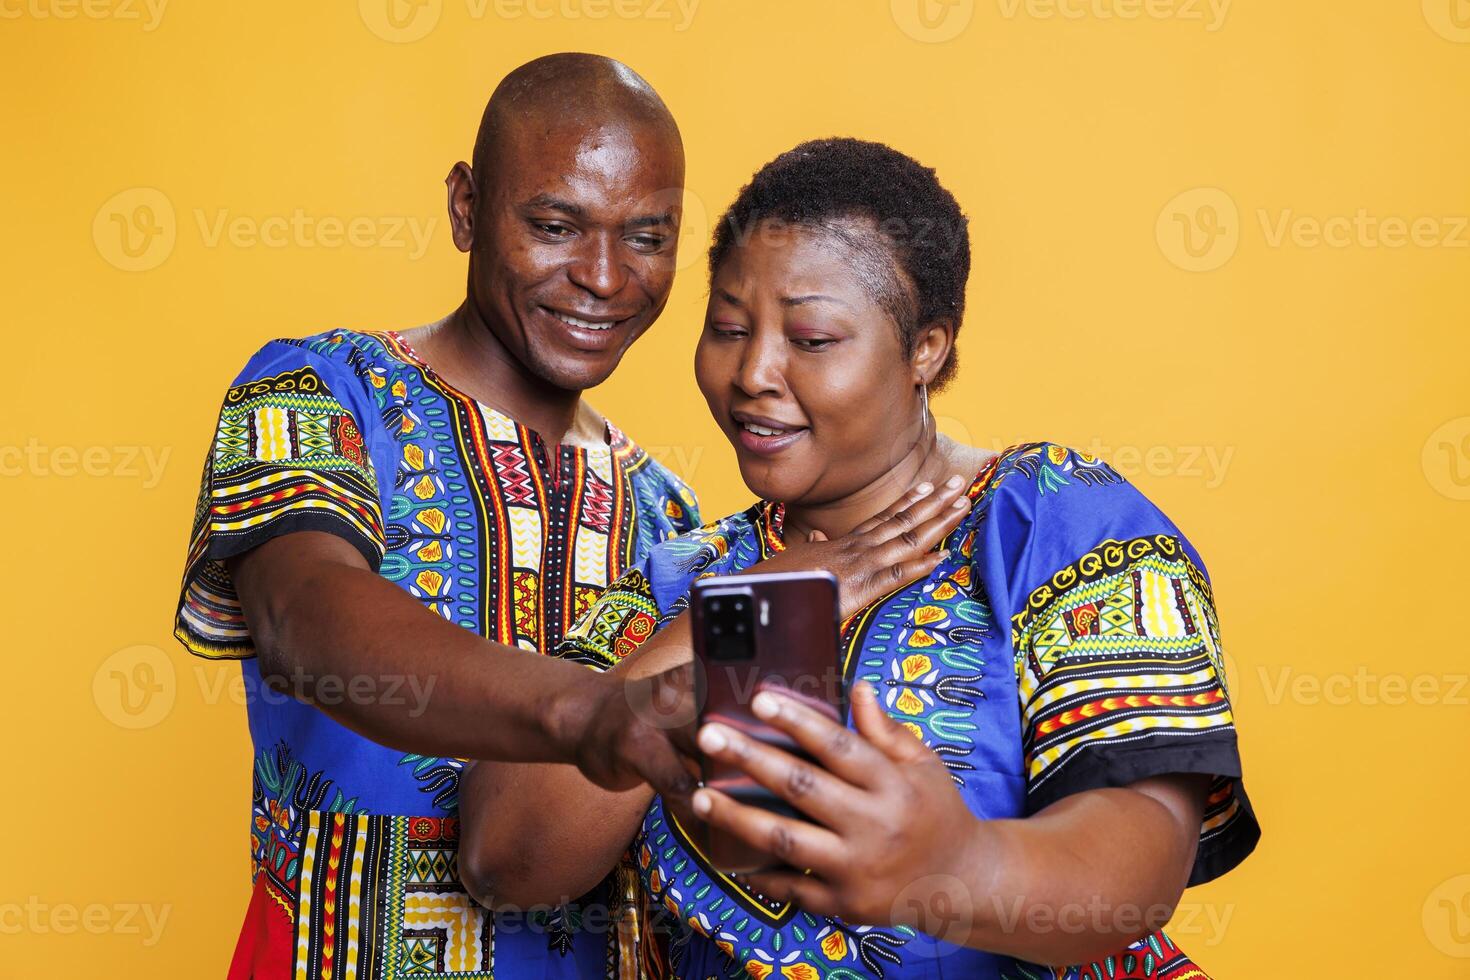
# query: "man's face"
573,246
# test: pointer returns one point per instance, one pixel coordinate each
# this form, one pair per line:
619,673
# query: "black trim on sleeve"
1100,765
221,547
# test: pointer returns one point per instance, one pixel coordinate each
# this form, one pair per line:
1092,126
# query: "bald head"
570,215
566,93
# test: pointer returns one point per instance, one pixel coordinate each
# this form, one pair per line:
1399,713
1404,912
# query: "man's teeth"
761,430
584,324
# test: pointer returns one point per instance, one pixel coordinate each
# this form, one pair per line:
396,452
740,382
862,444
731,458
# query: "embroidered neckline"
399,348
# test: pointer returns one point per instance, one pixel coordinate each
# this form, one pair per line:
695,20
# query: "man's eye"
648,243
554,230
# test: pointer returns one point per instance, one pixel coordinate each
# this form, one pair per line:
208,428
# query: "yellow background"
1328,380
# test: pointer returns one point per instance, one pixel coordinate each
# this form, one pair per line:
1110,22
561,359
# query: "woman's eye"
813,343
727,331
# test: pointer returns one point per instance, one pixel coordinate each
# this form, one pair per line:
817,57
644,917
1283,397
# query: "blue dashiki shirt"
1068,643
353,845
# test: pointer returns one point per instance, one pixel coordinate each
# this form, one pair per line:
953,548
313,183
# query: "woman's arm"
533,835
894,844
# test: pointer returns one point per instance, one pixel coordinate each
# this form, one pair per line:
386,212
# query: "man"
387,520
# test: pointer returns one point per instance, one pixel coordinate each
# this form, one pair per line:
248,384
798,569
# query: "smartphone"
752,632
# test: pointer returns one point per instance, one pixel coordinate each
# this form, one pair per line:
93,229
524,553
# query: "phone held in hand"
753,632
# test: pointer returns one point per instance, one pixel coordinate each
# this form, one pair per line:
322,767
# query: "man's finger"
662,767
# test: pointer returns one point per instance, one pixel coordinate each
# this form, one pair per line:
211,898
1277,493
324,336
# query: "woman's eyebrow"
812,298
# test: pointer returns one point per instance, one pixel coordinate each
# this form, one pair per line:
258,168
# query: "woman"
1043,753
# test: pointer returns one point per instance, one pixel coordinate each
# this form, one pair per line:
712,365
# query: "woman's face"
803,368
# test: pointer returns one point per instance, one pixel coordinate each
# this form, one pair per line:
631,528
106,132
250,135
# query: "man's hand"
625,730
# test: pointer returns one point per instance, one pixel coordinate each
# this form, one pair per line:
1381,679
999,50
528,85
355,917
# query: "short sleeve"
290,452
623,618
1118,657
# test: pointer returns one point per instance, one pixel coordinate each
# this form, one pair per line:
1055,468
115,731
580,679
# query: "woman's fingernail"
712,738
924,489
954,482
944,554
702,803
960,502
764,705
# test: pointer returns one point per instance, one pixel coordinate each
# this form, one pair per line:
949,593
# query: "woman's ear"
931,350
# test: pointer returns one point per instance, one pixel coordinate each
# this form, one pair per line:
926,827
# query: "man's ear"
461,184
931,349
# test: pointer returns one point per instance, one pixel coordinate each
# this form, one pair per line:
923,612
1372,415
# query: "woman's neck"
928,460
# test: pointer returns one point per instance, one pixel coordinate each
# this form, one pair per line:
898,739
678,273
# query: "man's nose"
596,268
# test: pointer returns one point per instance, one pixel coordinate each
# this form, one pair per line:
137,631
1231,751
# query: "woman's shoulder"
1036,469
1045,504
719,547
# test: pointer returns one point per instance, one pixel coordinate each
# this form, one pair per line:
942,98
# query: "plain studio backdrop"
1223,244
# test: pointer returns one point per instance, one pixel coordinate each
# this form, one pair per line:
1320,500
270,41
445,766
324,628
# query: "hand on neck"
928,459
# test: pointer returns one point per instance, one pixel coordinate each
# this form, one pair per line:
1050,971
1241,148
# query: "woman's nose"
761,369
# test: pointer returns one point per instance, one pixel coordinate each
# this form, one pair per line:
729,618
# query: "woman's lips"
765,438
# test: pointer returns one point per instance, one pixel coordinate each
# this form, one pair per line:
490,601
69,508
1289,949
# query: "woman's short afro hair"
922,235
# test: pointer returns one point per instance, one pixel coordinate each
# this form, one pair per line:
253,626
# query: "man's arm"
509,853
325,626
517,858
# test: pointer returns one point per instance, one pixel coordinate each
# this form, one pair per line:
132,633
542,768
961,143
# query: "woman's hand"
885,552
894,844
890,827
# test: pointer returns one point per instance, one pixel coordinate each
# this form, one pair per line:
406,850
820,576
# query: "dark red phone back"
792,644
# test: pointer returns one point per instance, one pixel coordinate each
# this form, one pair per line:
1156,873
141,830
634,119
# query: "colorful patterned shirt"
1068,643
354,845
